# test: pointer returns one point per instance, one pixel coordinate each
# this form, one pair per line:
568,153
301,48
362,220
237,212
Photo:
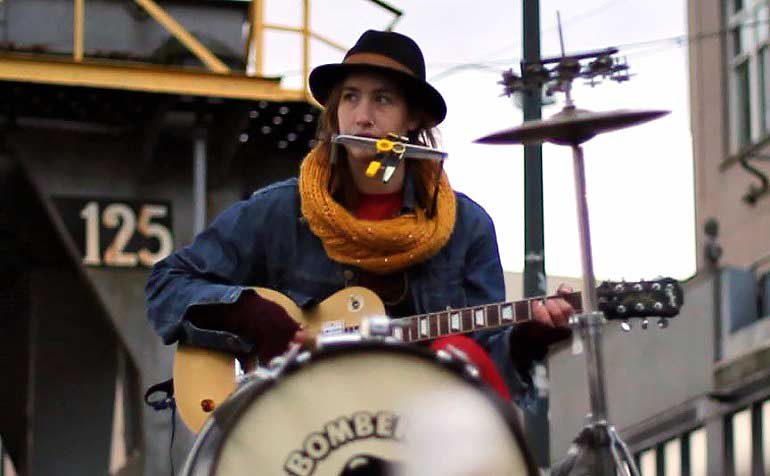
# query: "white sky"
640,180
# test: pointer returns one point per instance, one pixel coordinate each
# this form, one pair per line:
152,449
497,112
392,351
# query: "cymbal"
571,126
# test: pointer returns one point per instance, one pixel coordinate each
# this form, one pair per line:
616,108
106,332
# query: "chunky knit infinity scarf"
382,246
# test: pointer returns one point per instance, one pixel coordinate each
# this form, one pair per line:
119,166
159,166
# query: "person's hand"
267,324
253,317
549,325
553,312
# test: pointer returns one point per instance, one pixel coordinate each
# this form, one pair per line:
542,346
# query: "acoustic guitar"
204,378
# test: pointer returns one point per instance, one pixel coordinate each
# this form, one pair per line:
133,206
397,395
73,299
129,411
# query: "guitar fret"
398,333
479,317
521,311
414,331
506,312
466,320
424,330
443,323
433,319
455,324
493,315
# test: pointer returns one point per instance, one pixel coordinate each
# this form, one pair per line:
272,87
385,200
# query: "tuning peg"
625,325
620,309
638,287
656,286
639,307
645,323
658,306
662,323
618,288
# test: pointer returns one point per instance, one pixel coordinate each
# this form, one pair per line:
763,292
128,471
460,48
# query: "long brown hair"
341,183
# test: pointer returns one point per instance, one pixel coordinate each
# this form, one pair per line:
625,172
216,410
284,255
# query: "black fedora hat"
388,53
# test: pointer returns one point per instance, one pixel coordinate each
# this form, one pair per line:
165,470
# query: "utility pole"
536,422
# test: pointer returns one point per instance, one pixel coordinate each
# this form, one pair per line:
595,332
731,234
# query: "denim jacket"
264,241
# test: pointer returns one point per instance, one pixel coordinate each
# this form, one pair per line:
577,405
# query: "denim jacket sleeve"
484,284
212,270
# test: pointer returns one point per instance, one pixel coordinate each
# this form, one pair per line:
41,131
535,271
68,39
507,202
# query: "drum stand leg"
598,449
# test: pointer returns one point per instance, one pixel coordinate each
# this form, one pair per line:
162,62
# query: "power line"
643,48
569,21
677,41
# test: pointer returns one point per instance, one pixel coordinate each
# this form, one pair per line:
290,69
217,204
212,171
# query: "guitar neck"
426,327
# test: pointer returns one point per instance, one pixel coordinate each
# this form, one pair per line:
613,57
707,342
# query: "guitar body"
204,378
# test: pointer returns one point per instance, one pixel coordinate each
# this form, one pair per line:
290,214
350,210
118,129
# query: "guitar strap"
167,401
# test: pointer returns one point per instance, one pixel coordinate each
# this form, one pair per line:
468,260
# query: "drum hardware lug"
444,356
473,371
276,366
451,354
260,373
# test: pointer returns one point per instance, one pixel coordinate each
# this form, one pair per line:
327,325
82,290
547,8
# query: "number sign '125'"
121,233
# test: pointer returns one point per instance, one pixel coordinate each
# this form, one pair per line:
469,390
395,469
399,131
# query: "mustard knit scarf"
382,246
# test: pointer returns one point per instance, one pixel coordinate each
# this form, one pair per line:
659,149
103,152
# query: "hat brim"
323,79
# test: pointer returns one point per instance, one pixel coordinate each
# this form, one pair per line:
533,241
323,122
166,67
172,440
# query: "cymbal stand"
598,449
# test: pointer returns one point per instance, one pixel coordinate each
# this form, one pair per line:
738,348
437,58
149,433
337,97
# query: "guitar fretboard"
427,327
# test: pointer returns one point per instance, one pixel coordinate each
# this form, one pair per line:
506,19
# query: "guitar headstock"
661,298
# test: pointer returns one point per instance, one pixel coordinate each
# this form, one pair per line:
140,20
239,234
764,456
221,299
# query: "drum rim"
221,423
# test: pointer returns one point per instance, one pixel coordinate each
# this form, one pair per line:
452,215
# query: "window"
748,24
766,435
742,104
698,457
672,458
764,95
684,455
740,426
648,463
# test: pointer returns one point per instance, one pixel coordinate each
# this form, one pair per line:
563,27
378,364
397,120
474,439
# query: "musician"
421,246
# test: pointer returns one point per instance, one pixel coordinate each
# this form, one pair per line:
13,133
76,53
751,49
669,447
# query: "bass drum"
368,408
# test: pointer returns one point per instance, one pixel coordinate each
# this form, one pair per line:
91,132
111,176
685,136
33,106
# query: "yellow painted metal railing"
254,50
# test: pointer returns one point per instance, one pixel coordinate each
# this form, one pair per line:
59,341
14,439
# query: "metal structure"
217,80
130,119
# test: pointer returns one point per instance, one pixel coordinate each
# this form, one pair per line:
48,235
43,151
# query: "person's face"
372,106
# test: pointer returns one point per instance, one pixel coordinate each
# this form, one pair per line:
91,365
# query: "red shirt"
378,206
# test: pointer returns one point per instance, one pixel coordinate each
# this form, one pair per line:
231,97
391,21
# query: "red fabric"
478,357
378,206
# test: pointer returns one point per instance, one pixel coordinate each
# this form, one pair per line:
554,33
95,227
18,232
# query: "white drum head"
369,405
